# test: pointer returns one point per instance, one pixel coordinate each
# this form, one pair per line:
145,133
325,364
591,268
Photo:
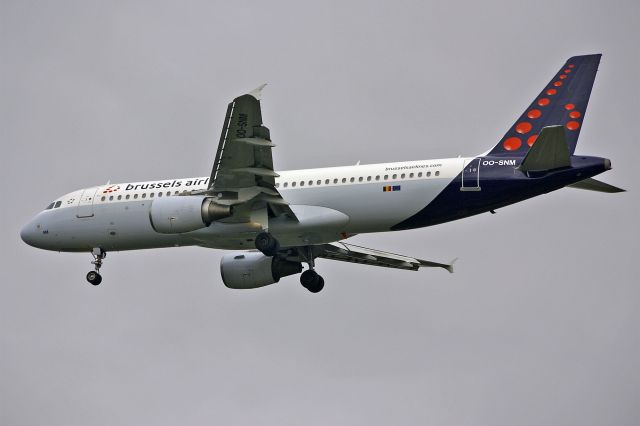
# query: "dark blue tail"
562,102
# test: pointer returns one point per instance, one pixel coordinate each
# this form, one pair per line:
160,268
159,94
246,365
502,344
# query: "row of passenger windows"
285,185
135,196
353,179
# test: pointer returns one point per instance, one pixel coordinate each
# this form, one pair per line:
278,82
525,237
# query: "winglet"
450,266
257,92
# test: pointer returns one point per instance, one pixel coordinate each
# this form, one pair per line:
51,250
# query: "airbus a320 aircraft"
276,221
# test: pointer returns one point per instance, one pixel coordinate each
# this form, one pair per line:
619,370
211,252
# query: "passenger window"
410,175
168,193
159,194
176,193
293,184
428,174
286,184
310,182
135,196
368,178
420,174
344,180
438,173
151,195
111,198
319,182
57,204
360,179
378,177
144,195
402,176
395,176
128,196
326,182
301,183
103,198
351,180
119,197
335,181
386,177
277,185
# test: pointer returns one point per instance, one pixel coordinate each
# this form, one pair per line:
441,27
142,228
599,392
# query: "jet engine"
174,215
254,269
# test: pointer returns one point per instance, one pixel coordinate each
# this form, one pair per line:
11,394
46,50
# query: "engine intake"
175,215
254,269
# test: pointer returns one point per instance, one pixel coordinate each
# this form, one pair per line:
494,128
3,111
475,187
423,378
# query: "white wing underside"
357,254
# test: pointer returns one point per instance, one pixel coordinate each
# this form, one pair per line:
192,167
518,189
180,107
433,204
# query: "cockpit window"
50,206
57,204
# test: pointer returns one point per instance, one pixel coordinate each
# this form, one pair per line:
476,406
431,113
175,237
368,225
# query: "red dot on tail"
573,125
551,92
569,107
534,113
543,101
571,65
511,144
523,127
567,71
557,83
574,114
562,77
532,140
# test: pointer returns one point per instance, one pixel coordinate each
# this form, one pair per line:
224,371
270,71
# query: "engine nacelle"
174,215
254,269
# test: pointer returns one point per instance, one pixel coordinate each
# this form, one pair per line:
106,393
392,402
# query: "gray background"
537,326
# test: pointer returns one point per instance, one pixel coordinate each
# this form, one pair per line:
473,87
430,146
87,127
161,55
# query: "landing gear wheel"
312,281
317,286
94,278
267,244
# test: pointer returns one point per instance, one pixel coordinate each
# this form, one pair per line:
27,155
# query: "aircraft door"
471,176
85,205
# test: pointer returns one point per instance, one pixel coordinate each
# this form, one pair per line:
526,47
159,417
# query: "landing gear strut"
310,279
267,244
94,277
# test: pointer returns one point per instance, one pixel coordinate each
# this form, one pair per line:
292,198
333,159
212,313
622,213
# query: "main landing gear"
267,244
310,279
94,277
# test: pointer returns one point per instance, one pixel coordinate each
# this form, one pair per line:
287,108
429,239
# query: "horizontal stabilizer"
591,184
550,151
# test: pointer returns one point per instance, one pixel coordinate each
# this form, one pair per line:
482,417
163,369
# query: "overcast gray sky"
539,325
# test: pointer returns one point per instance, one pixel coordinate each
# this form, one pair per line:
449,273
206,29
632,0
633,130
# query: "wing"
242,173
357,254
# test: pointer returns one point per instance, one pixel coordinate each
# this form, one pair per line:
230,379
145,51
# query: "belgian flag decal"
390,188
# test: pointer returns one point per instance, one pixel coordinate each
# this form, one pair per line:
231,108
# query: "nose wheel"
94,276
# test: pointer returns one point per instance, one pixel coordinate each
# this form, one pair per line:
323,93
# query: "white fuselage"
331,203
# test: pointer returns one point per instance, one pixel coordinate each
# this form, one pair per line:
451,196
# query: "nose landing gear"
94,277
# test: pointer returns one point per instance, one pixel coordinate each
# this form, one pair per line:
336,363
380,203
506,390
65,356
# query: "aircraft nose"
29,233
607,164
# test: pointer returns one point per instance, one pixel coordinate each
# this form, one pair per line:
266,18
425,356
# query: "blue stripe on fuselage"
500,185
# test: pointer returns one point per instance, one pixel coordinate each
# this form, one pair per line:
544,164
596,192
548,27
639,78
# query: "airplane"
276,221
